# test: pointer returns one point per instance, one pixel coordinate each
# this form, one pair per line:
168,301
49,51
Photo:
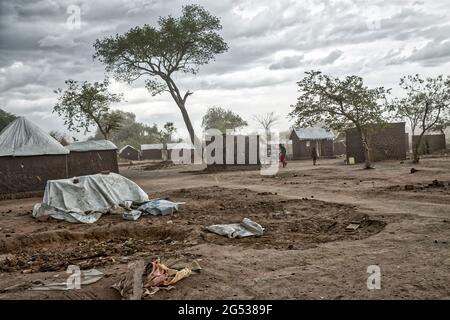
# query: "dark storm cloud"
271,42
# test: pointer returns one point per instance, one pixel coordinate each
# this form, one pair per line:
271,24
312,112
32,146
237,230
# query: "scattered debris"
158,207
413,170
437,184
246,228
137,284
353,226
409,187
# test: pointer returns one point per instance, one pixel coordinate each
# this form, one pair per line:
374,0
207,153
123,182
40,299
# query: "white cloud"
271,44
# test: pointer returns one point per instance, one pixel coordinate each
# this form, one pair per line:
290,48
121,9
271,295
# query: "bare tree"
266,121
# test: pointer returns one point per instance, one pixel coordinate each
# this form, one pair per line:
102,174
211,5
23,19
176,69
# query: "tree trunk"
198,149
188,123
366,149
416,147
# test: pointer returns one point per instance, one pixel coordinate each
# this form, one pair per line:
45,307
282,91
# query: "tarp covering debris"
84,199
24,138
246,228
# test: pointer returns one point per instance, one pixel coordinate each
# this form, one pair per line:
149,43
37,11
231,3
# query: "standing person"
314,155
283,155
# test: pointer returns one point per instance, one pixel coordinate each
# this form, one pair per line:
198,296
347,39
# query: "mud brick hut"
339,147
91,157
152,151
129,153
180,152
430,143
29,157
304,139
238,152
387,142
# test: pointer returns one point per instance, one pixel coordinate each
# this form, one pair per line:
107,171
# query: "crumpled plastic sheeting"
135,285
158,207
84,199
246,228
161,275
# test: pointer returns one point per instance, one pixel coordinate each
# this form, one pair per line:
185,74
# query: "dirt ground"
305,253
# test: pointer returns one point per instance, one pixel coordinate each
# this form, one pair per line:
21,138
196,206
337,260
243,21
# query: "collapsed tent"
86,198
246,228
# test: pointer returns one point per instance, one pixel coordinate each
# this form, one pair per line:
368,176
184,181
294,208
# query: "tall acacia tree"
427,102
340,104
85,104
180,44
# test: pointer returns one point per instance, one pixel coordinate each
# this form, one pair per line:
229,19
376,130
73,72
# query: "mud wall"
430,143
301,149
387,142
339,148
129,154
92,162
30,174
154,154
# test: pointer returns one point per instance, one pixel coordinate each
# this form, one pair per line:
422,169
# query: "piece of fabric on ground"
246,228
136,284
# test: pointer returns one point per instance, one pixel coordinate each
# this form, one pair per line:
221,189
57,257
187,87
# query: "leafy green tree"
406,108
85,104
340,104
166,135
178,45
222,120
135,133
427,103
5,119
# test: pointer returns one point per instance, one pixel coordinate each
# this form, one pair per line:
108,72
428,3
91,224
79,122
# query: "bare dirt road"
305,253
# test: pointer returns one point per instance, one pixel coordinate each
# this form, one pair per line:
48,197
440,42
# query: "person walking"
314,155
283,155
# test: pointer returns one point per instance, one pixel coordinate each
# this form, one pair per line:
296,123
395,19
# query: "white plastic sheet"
246,228
84,199
24,138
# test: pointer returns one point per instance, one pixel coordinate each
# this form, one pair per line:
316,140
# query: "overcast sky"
272,43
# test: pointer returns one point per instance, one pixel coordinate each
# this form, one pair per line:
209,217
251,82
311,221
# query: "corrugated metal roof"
154,146
23,138
92,145
314,133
